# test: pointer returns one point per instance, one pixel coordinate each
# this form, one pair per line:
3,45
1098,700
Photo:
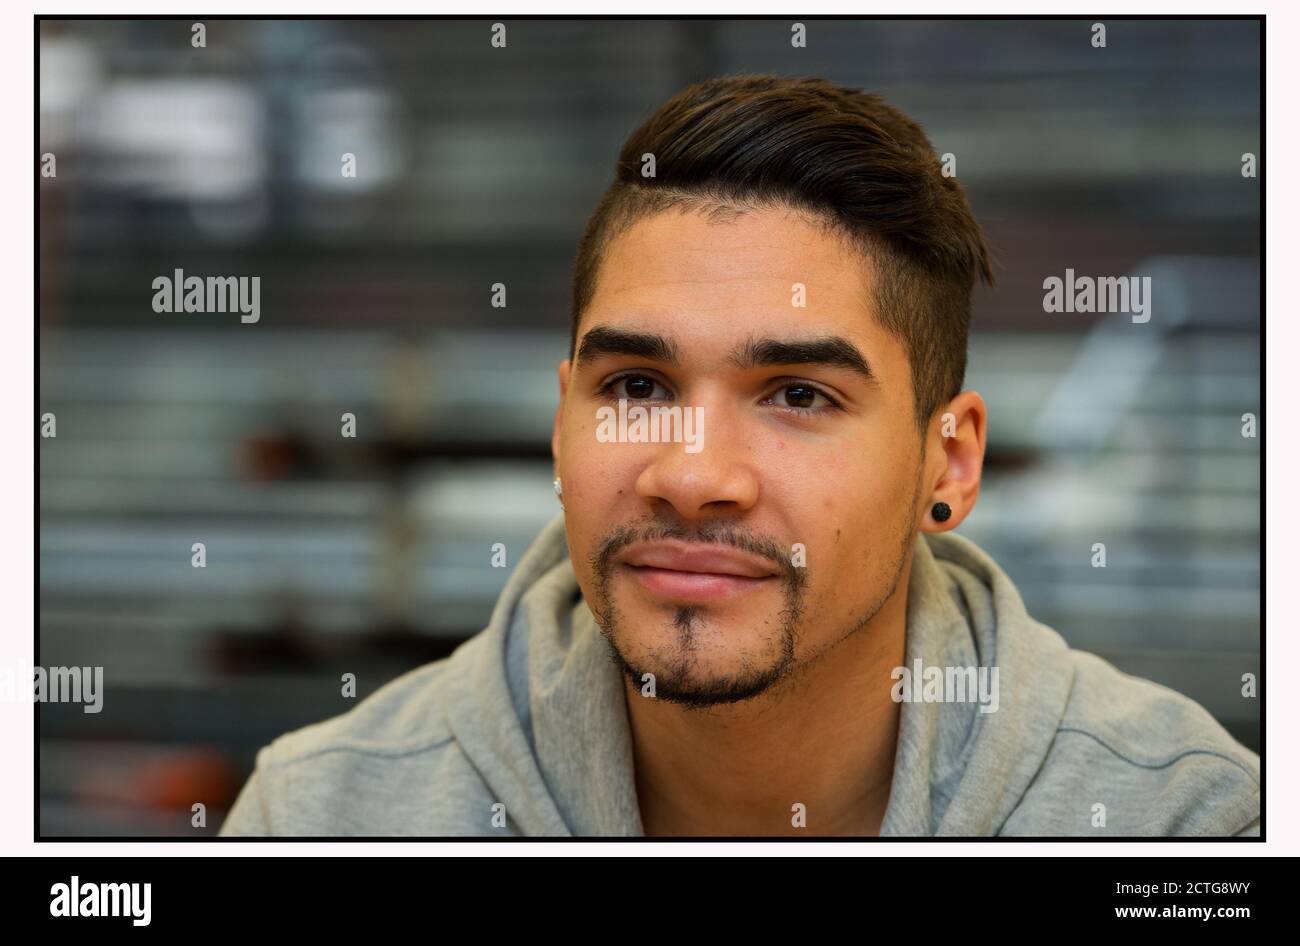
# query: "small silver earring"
559,491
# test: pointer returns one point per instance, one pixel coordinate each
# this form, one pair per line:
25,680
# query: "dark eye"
801,398
799,395
638,387
633,387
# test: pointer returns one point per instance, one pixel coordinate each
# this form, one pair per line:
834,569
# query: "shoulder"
1131,757
372,770
403,716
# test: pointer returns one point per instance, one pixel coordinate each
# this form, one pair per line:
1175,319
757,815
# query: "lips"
684,572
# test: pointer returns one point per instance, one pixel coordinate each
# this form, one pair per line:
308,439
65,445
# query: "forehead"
703,280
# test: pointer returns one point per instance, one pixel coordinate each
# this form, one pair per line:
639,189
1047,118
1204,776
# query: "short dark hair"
860,166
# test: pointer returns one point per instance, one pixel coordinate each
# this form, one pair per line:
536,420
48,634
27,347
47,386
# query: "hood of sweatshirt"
564,766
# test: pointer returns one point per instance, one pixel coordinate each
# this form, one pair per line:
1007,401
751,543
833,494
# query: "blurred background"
477,165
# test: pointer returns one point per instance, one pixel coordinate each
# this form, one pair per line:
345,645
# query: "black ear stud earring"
941,512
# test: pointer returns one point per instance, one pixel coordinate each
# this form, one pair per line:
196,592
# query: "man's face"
723,565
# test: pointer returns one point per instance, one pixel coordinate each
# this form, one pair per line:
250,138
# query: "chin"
699,660
707,686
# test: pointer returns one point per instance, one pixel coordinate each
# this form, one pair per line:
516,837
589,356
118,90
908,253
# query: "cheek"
860,510
599,478
586,464
820,506
596,476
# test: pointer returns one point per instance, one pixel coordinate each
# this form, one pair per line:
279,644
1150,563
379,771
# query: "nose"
720,478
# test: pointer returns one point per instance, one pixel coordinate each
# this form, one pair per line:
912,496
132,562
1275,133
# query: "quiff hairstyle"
854,164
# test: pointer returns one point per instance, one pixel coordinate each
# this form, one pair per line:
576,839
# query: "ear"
563,373
954,460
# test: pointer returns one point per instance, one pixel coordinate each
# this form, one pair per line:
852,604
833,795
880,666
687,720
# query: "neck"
826,742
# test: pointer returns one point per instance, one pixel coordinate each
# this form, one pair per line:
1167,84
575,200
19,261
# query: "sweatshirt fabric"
523,732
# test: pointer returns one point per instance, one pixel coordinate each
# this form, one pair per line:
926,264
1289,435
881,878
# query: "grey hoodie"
523,732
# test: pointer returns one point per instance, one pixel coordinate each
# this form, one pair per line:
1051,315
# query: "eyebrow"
830,351
602,341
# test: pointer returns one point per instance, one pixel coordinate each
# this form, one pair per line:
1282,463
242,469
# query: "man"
761,623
